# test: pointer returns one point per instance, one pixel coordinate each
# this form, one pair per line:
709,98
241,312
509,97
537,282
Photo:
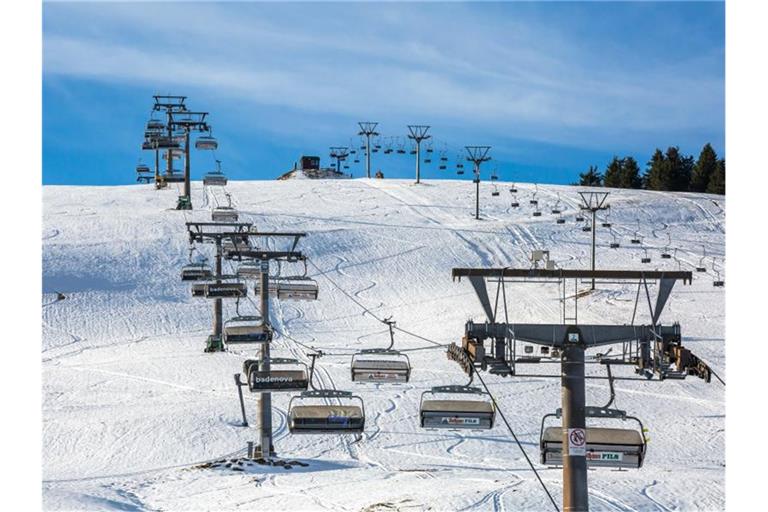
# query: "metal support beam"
575,494
367,129
478,283
477,155
218,321
418,134
240,385
266,447
557,274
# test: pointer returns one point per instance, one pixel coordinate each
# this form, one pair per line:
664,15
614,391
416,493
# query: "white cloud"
394,62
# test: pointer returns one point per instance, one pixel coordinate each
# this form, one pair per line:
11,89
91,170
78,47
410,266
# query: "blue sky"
552,87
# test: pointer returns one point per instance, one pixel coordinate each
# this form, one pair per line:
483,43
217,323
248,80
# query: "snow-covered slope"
131,402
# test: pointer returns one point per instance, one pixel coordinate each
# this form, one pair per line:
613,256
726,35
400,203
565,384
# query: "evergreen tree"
657,175
612,177
716,183
591,178
630,174
704,169
679,169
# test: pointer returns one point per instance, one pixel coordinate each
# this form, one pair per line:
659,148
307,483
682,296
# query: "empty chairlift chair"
475,413
290,375
381,364
533,201
142,168
615,242
224,214
231,247
665,254
175,176
296,288
717,281
206,142
196,272
701,266
246,330
215,178
307,416
619,448
646,258
606,223
155,125
291,288
249,270
556,209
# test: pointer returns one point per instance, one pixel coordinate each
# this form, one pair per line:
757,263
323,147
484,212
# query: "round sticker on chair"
577,442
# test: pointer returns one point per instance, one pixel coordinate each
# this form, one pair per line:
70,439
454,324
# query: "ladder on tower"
569,317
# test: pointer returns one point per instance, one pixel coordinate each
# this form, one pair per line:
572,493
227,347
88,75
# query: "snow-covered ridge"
131,402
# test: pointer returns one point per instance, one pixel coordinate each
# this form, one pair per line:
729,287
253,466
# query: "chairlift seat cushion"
214,180
456,406
379,364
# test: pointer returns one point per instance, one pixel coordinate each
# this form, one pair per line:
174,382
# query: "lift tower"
187,122
654,350
168,104
477,155
215,233
593,202
262,257
340,153
418,134
367,129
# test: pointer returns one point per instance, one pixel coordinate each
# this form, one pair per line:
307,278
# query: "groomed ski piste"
132,406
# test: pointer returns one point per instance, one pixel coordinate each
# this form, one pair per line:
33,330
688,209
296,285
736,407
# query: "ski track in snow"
130,399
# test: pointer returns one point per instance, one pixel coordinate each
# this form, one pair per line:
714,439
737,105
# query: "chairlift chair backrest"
293,378
246,330
295,288
224,290
380,365
215,178
224,214
154,125
206,142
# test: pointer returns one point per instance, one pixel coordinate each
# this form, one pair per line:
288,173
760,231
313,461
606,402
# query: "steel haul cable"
509,427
